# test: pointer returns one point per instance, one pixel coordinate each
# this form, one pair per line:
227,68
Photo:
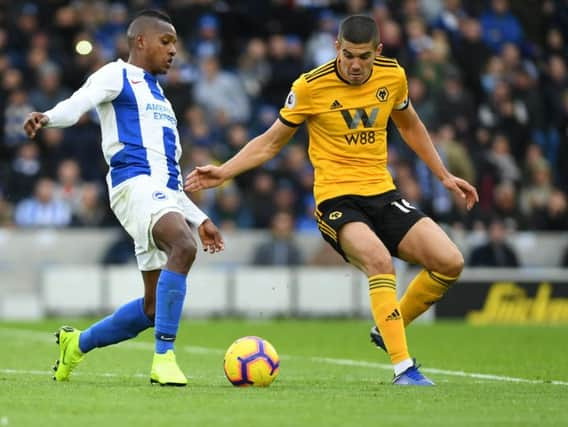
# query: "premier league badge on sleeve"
291,100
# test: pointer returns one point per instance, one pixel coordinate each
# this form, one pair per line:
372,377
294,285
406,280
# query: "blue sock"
125,323
170,295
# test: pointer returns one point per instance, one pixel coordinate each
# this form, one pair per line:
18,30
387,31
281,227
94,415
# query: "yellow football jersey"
347,126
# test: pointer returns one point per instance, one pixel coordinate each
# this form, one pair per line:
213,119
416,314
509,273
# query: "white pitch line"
41,336
488,377
48,373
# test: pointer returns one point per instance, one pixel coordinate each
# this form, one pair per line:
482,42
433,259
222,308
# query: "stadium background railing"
57,273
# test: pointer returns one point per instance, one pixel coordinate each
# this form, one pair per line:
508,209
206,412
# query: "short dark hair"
154,13
359,29
140,22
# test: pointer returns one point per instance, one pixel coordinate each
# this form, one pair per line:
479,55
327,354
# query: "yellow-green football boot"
165,370
69,353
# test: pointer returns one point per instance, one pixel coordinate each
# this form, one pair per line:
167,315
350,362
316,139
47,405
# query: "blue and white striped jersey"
138,124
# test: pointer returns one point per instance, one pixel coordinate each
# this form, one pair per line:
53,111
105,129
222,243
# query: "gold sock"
427,288
387,315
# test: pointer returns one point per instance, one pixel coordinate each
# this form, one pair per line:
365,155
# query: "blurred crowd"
488,78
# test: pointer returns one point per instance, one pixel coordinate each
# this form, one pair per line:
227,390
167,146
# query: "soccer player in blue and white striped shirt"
141,145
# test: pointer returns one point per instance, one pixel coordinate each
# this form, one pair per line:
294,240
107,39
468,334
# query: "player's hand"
34,122
210,236
463,189
203,177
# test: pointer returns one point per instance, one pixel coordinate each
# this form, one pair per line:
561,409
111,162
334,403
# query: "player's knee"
379,265
453,264
184,251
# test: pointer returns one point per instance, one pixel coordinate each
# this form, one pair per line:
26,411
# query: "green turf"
324,380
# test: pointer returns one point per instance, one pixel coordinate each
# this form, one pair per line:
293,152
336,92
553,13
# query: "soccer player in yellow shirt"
346,104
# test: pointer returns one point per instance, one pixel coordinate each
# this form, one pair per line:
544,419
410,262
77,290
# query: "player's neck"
138,62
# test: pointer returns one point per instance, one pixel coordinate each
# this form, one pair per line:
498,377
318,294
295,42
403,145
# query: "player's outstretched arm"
258,151
34,122
416,136
103,86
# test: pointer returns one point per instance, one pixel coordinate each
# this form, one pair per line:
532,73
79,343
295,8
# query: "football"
251,361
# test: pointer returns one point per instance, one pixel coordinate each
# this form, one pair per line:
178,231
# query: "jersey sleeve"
402,100
194,215
102,86
297,106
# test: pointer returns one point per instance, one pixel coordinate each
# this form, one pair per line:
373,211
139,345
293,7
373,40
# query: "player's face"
161,48
355,61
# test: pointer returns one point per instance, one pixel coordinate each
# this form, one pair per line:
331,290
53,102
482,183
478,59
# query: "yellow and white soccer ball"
251,361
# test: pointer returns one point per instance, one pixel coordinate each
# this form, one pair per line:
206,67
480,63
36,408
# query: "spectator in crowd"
284,67
260,196
419,40
459,161
496,252
44,209
253,67
16,110
195,129
69,186
49,91
534,160
23,172
52,151
455,104
281,249
553,216
320,46
406,182
82,142
504,163
107,33
486,171
221,94
206,42
554,43
177,89
525,89
423,103
392,38
507,207
229,211
90,210
536,194
450,18
436,200
471,54
500,26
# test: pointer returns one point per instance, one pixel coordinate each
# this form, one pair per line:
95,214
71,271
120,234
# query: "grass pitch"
330,376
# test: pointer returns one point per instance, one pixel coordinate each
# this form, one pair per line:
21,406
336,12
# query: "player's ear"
337,45
140,41
379,49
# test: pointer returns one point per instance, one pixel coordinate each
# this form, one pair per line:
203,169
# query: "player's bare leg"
150,279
